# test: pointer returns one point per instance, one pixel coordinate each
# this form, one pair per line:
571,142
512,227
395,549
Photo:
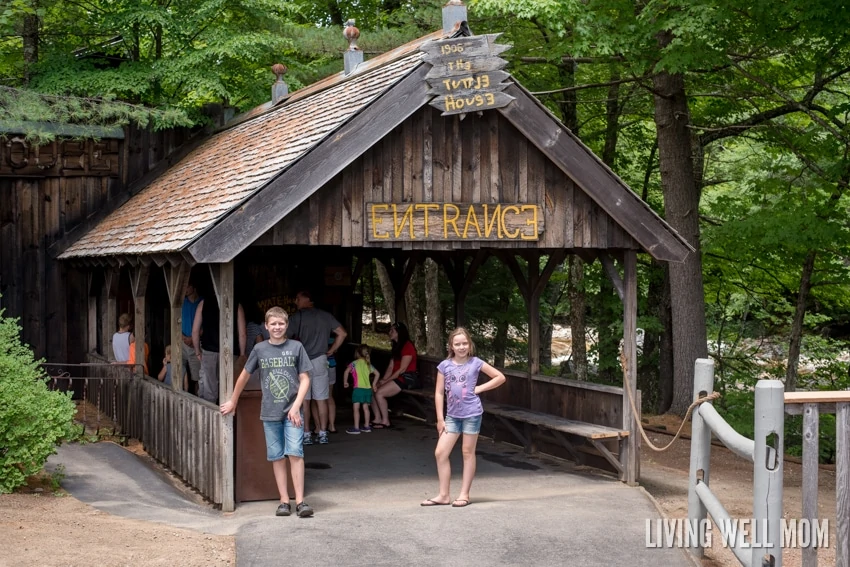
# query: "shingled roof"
224,171
237,184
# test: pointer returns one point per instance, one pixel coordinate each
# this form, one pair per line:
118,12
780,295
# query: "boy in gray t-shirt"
284,377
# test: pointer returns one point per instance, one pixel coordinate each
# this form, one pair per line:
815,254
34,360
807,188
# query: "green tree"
34,419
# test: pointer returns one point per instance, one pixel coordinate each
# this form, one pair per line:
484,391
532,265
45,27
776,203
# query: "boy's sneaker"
283,510
303,510
308,439
366,429
352,431
323,440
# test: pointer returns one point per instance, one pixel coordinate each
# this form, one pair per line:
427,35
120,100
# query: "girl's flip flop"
431,502
460,503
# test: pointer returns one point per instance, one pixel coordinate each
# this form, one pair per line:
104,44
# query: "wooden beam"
630,421
467,277
93,290
223,282
358,270
556,257
522,283
593,177
613,274
139,284
176,278
532,304
109,314
280,197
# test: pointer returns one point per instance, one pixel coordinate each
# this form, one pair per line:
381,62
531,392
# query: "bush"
33,419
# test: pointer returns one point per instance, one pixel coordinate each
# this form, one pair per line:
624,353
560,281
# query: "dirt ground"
43,527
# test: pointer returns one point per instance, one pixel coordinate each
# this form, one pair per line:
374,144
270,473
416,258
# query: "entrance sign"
466,74
409,222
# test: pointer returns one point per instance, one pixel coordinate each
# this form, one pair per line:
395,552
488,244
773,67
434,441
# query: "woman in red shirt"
400,375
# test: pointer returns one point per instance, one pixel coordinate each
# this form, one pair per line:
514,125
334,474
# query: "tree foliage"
34,419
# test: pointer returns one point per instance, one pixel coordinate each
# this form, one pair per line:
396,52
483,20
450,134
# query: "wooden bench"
560,427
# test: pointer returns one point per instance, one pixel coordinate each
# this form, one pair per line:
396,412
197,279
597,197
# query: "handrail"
767,467
811,405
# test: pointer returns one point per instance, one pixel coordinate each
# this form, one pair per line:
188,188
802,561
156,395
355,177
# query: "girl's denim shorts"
465,425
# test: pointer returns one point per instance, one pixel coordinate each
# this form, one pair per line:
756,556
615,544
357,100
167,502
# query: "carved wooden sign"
466,73
407,222
19,158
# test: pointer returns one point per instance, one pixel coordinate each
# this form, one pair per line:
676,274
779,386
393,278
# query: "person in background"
205,344
191,362
311,326
132,359
122,338
165,374
361,372
401,375
331,384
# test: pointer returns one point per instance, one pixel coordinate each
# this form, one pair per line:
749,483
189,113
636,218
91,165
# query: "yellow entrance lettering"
447,221
425,208
471,219
407,217
488,225
532,222
376,221
504,226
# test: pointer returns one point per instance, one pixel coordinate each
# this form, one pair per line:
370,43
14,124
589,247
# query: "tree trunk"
30,41
434,328
608,315
500,341
649,377
387,289
578,304
373,303
415,316
681,207
799,317
665,352
612,120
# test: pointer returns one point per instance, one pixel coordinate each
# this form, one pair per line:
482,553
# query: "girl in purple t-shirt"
457,390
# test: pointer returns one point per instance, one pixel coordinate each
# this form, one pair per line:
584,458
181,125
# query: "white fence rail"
765,451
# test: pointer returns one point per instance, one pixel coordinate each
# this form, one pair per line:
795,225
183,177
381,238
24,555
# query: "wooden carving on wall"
19,158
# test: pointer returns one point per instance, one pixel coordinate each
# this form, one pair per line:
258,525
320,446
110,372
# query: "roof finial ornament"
352,34
280,90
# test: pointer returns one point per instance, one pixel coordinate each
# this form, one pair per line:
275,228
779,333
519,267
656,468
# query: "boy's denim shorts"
465,425
283,439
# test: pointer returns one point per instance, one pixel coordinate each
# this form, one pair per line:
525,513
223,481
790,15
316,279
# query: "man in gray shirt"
312,327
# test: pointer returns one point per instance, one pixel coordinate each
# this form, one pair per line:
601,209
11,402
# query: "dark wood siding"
481,159
40,207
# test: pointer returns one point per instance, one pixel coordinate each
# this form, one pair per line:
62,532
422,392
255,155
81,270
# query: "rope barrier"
635,412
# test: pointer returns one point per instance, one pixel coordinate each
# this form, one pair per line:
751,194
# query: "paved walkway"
366,491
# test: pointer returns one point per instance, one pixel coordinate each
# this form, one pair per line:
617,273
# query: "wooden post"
811,434
461,280
176,277
222,277
630,420
842,483
93,287
110,315
139,285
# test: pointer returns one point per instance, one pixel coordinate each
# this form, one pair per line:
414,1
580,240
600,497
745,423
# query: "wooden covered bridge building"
363,165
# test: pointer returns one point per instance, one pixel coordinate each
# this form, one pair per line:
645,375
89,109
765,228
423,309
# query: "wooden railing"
181,431
811,405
